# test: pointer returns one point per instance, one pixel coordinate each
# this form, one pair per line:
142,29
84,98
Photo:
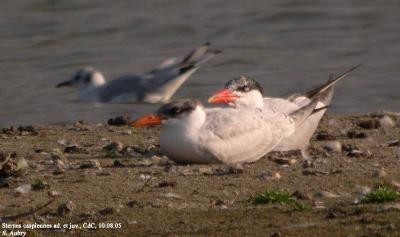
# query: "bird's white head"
85,78
240,92
183,112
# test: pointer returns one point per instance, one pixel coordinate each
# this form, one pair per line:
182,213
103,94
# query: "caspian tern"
156,86
192,134
247,93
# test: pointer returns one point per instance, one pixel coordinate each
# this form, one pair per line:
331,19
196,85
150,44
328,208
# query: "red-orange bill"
224,96
147,120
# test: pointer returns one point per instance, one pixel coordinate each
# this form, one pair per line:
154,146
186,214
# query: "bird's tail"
197,57
329,84
316,110
300,115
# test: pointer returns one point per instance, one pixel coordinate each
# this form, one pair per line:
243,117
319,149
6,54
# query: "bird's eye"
87,78
243,89
176,110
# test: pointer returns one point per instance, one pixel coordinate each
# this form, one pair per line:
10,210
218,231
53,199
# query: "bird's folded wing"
238,136
279,105
132,84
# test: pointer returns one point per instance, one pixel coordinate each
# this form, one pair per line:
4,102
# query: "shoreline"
104,121
115,174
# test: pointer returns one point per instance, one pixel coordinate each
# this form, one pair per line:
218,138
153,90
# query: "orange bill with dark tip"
147,120
224,96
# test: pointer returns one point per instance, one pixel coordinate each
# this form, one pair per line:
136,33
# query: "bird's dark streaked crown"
178,107
84,75
243,84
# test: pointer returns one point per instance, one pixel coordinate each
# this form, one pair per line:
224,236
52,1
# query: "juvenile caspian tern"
156,86
247,93
192,134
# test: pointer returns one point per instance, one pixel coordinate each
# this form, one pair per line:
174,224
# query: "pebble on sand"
172,195
106,211
325,194
324,136
23,189
118,163
299,195
369,124
356,134
165,183
354,151
397,152
319,205
21,163
333,146
390,207
102,172
285,161
381,173
393,142
126,132
39,184
396,184
65,208
268,175
119,121
309,164
73,149
90,164
145,177
54,193
386,122
21,131
114,146
361,191
8,164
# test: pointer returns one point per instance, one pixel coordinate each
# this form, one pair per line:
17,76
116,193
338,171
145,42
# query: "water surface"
287,45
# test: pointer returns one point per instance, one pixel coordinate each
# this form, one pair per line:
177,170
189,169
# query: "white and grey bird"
155,86
247,93
191,133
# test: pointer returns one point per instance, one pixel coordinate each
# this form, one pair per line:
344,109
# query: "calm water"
288,45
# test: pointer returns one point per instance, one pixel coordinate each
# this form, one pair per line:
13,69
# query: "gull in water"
247,93
155,86
191,133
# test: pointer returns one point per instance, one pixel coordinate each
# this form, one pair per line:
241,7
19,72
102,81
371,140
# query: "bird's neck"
188,125
97,80
196,119
252,99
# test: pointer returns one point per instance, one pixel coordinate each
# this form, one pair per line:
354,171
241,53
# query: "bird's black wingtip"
185,69
356,66
216,51
319,109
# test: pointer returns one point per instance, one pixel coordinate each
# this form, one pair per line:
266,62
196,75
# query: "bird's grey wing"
326,88
196,55
301,115
331,82
123,87
166,64
279,105
166,80
192,58
237,136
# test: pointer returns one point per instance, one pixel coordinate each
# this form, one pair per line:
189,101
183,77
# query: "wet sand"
96,173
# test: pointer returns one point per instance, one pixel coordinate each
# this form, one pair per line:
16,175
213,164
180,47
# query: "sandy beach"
115,177
67,67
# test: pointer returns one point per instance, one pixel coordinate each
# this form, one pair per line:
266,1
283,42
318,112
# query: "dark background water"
288,45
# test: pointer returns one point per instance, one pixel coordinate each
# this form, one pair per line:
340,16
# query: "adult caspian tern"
192,134
247,93
156,86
